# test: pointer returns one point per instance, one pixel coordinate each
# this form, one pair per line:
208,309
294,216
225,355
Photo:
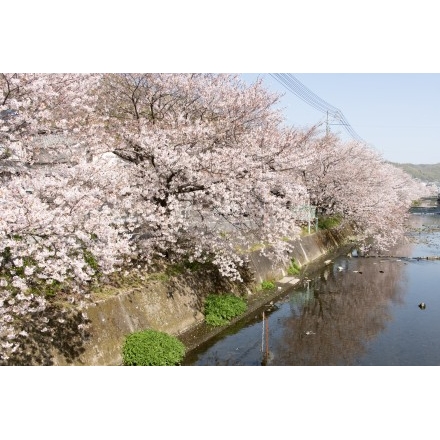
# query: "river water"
353,311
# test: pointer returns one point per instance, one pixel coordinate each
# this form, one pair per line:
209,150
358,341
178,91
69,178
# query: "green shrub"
151,347
220,309
294,268
267,285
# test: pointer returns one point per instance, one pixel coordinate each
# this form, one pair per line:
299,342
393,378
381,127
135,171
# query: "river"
353,311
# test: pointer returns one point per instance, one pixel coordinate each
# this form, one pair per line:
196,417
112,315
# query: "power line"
295,86
304,93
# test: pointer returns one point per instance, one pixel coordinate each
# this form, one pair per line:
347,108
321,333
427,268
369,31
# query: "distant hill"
426,173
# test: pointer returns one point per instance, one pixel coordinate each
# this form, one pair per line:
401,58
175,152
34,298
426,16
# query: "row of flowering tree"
174,166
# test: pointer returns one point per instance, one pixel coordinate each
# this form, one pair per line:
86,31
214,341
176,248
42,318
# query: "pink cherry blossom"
104,172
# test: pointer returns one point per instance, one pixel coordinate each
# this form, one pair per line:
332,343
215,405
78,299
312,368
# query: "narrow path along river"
353,311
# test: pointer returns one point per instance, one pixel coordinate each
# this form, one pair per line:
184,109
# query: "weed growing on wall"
220,309
267,285
294,268
152,348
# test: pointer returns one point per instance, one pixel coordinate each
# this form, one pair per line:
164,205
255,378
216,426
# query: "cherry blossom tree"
100,171
180,166
33,104
203,151
353,181
56,226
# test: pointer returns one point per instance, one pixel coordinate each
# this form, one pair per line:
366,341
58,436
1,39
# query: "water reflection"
338,312
354,311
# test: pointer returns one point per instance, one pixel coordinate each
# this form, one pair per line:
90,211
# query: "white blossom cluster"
184,166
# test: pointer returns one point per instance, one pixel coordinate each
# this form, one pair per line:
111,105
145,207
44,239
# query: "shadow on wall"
170,301
64,330
208,280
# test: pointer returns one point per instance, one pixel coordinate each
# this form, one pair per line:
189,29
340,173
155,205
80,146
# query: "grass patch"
257,247
152,348
294,268
252,248
328,222
220,309
267,285
117,281
158,276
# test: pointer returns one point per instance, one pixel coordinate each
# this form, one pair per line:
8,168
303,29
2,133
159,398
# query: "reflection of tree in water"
337,313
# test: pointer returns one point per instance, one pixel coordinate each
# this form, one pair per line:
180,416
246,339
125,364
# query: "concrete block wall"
138,309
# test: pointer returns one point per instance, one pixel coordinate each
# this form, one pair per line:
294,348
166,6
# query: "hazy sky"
398,114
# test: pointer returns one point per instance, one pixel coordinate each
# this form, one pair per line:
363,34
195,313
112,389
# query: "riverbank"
174,304
312,252
376,309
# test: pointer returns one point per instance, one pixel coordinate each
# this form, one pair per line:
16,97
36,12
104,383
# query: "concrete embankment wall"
154,307
306,249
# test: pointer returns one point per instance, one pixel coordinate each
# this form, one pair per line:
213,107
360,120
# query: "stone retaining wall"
155,308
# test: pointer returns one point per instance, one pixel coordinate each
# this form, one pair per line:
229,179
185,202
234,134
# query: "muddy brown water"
353,311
